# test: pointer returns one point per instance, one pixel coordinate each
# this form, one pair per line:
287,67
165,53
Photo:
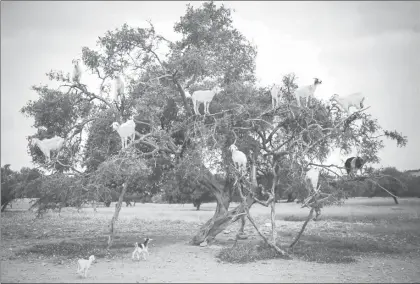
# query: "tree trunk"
273,206
115,217
221,219
273,222
3,207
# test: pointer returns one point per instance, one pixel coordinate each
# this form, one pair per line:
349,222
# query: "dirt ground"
177,261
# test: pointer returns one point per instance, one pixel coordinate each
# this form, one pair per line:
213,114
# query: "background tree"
8,181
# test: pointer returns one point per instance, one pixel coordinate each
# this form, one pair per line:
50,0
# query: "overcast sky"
371,47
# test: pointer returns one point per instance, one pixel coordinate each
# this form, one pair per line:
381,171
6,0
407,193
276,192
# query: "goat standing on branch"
311,179
356,100
312,176
307,91
47,145
204,97
119,88
275,96
125,130
354,164
77,71
238,158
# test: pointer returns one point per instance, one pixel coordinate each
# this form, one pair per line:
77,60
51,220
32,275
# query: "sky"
360,46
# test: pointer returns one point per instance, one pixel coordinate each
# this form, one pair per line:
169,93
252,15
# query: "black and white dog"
354,164
141,249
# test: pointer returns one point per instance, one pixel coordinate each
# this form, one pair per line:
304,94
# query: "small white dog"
84,264
141,249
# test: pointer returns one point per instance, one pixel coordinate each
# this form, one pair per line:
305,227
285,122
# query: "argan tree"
178,147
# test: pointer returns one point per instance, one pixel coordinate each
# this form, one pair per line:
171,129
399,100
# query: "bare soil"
172,259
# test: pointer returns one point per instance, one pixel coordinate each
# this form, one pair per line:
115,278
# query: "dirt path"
183,263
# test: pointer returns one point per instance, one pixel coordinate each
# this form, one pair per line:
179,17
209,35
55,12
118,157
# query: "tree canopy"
175,150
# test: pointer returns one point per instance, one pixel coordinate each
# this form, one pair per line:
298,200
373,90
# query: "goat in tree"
356,100
77,71
119,88
205,97
125,130
47,145
311,180
354,164
307,91
238,158
275,96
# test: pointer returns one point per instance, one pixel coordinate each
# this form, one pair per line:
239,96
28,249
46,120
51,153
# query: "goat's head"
115,125
317,81
216,89
34,141
275,87
91,258
75,62
233,148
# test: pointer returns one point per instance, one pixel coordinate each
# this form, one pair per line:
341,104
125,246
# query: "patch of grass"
322,254
67,249
247,252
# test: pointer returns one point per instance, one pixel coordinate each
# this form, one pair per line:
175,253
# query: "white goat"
84,264
275,96
77,71
119,87
125,130
238,158
47,145
307,91
356,100
205,97
312,177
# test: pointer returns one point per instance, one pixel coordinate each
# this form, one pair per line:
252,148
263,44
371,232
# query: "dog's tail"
136,245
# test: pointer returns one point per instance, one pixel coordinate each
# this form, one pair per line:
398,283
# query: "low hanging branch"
311,212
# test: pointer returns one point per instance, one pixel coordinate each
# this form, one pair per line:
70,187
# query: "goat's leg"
195,106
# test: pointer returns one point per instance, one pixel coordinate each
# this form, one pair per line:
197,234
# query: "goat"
125,130
356,100
47,145
84,264
275,96
312,177
238,158
119,87
307,91
354,164
77,71
142,249
205,97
